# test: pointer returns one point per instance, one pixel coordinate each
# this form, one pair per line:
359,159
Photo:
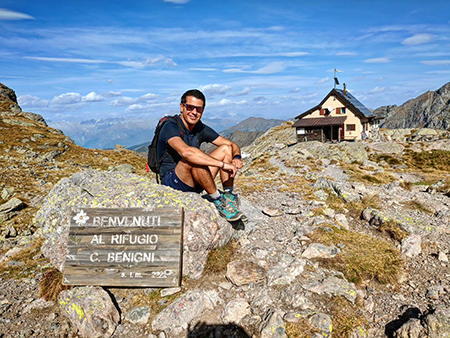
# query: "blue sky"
77,60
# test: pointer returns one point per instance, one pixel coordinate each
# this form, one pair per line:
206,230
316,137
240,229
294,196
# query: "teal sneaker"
226,209
233,199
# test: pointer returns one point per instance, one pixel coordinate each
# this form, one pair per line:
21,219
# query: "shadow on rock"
203,330
394,325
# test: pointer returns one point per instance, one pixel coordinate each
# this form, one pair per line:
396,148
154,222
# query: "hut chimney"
345,88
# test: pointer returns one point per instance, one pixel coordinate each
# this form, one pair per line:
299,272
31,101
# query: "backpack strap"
166,153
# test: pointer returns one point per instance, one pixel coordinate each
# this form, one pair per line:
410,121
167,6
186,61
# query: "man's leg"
224,154
191,175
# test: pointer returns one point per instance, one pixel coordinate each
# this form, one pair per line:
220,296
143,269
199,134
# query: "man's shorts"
171,180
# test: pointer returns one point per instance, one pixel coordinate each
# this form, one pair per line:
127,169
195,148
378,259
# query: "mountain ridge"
428,110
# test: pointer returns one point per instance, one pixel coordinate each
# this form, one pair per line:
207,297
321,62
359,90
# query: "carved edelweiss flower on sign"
81,217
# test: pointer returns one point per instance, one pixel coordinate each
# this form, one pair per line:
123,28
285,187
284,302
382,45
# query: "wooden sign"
125,247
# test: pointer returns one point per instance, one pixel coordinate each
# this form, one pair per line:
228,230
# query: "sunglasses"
191,107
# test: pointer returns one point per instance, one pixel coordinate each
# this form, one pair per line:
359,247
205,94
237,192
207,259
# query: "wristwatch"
237,157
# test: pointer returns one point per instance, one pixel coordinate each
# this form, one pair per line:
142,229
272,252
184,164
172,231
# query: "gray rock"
51,155
243,272
334,286
184,309
10,231
13,204
128,168
138,315
411,329
91,311
295,316
442,257
438,323
204,229
317,250
170,291
286,270
412,246
235,311
7,193
435,292
342,220
322,323
275,327
272,212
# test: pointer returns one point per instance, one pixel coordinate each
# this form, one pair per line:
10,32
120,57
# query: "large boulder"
91,310
204,229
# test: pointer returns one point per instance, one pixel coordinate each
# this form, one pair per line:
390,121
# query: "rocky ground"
343,240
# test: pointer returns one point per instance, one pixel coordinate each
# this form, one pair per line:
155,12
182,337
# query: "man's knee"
223,152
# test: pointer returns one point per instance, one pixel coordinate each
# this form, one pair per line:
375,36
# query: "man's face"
189,112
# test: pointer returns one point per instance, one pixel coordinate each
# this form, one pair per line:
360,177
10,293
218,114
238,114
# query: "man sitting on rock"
187,168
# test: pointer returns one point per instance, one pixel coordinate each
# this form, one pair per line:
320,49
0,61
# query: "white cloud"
271,68
178,2
123,101
135,107
378,60
436,63
112,94
148,96
214,89
246,91
32,101
93,97
378,90
346,54
68,60
168,62
6,14
294,54
128,101
324,80
66,99
204,69
418,39
226,102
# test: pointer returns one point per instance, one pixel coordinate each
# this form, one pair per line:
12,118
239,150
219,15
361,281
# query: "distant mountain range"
243,134
429,110
106,133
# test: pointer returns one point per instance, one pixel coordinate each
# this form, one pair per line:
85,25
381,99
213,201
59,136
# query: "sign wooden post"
125,247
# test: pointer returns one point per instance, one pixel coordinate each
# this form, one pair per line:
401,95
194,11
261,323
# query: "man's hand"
231,168
237,163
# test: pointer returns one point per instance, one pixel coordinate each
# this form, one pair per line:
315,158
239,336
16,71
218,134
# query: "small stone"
443,257
412,245
7,193
242,272
294,211
272,212
317,250
226,285
138,315
323,323
170,291
235,310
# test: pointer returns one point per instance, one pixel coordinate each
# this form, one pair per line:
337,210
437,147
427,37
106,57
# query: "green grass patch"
393,229
362,257
391,160
220,257
51,285
429,160
416,205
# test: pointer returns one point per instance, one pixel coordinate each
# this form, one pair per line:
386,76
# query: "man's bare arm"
196,156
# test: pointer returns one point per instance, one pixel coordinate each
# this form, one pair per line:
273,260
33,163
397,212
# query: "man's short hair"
195,93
